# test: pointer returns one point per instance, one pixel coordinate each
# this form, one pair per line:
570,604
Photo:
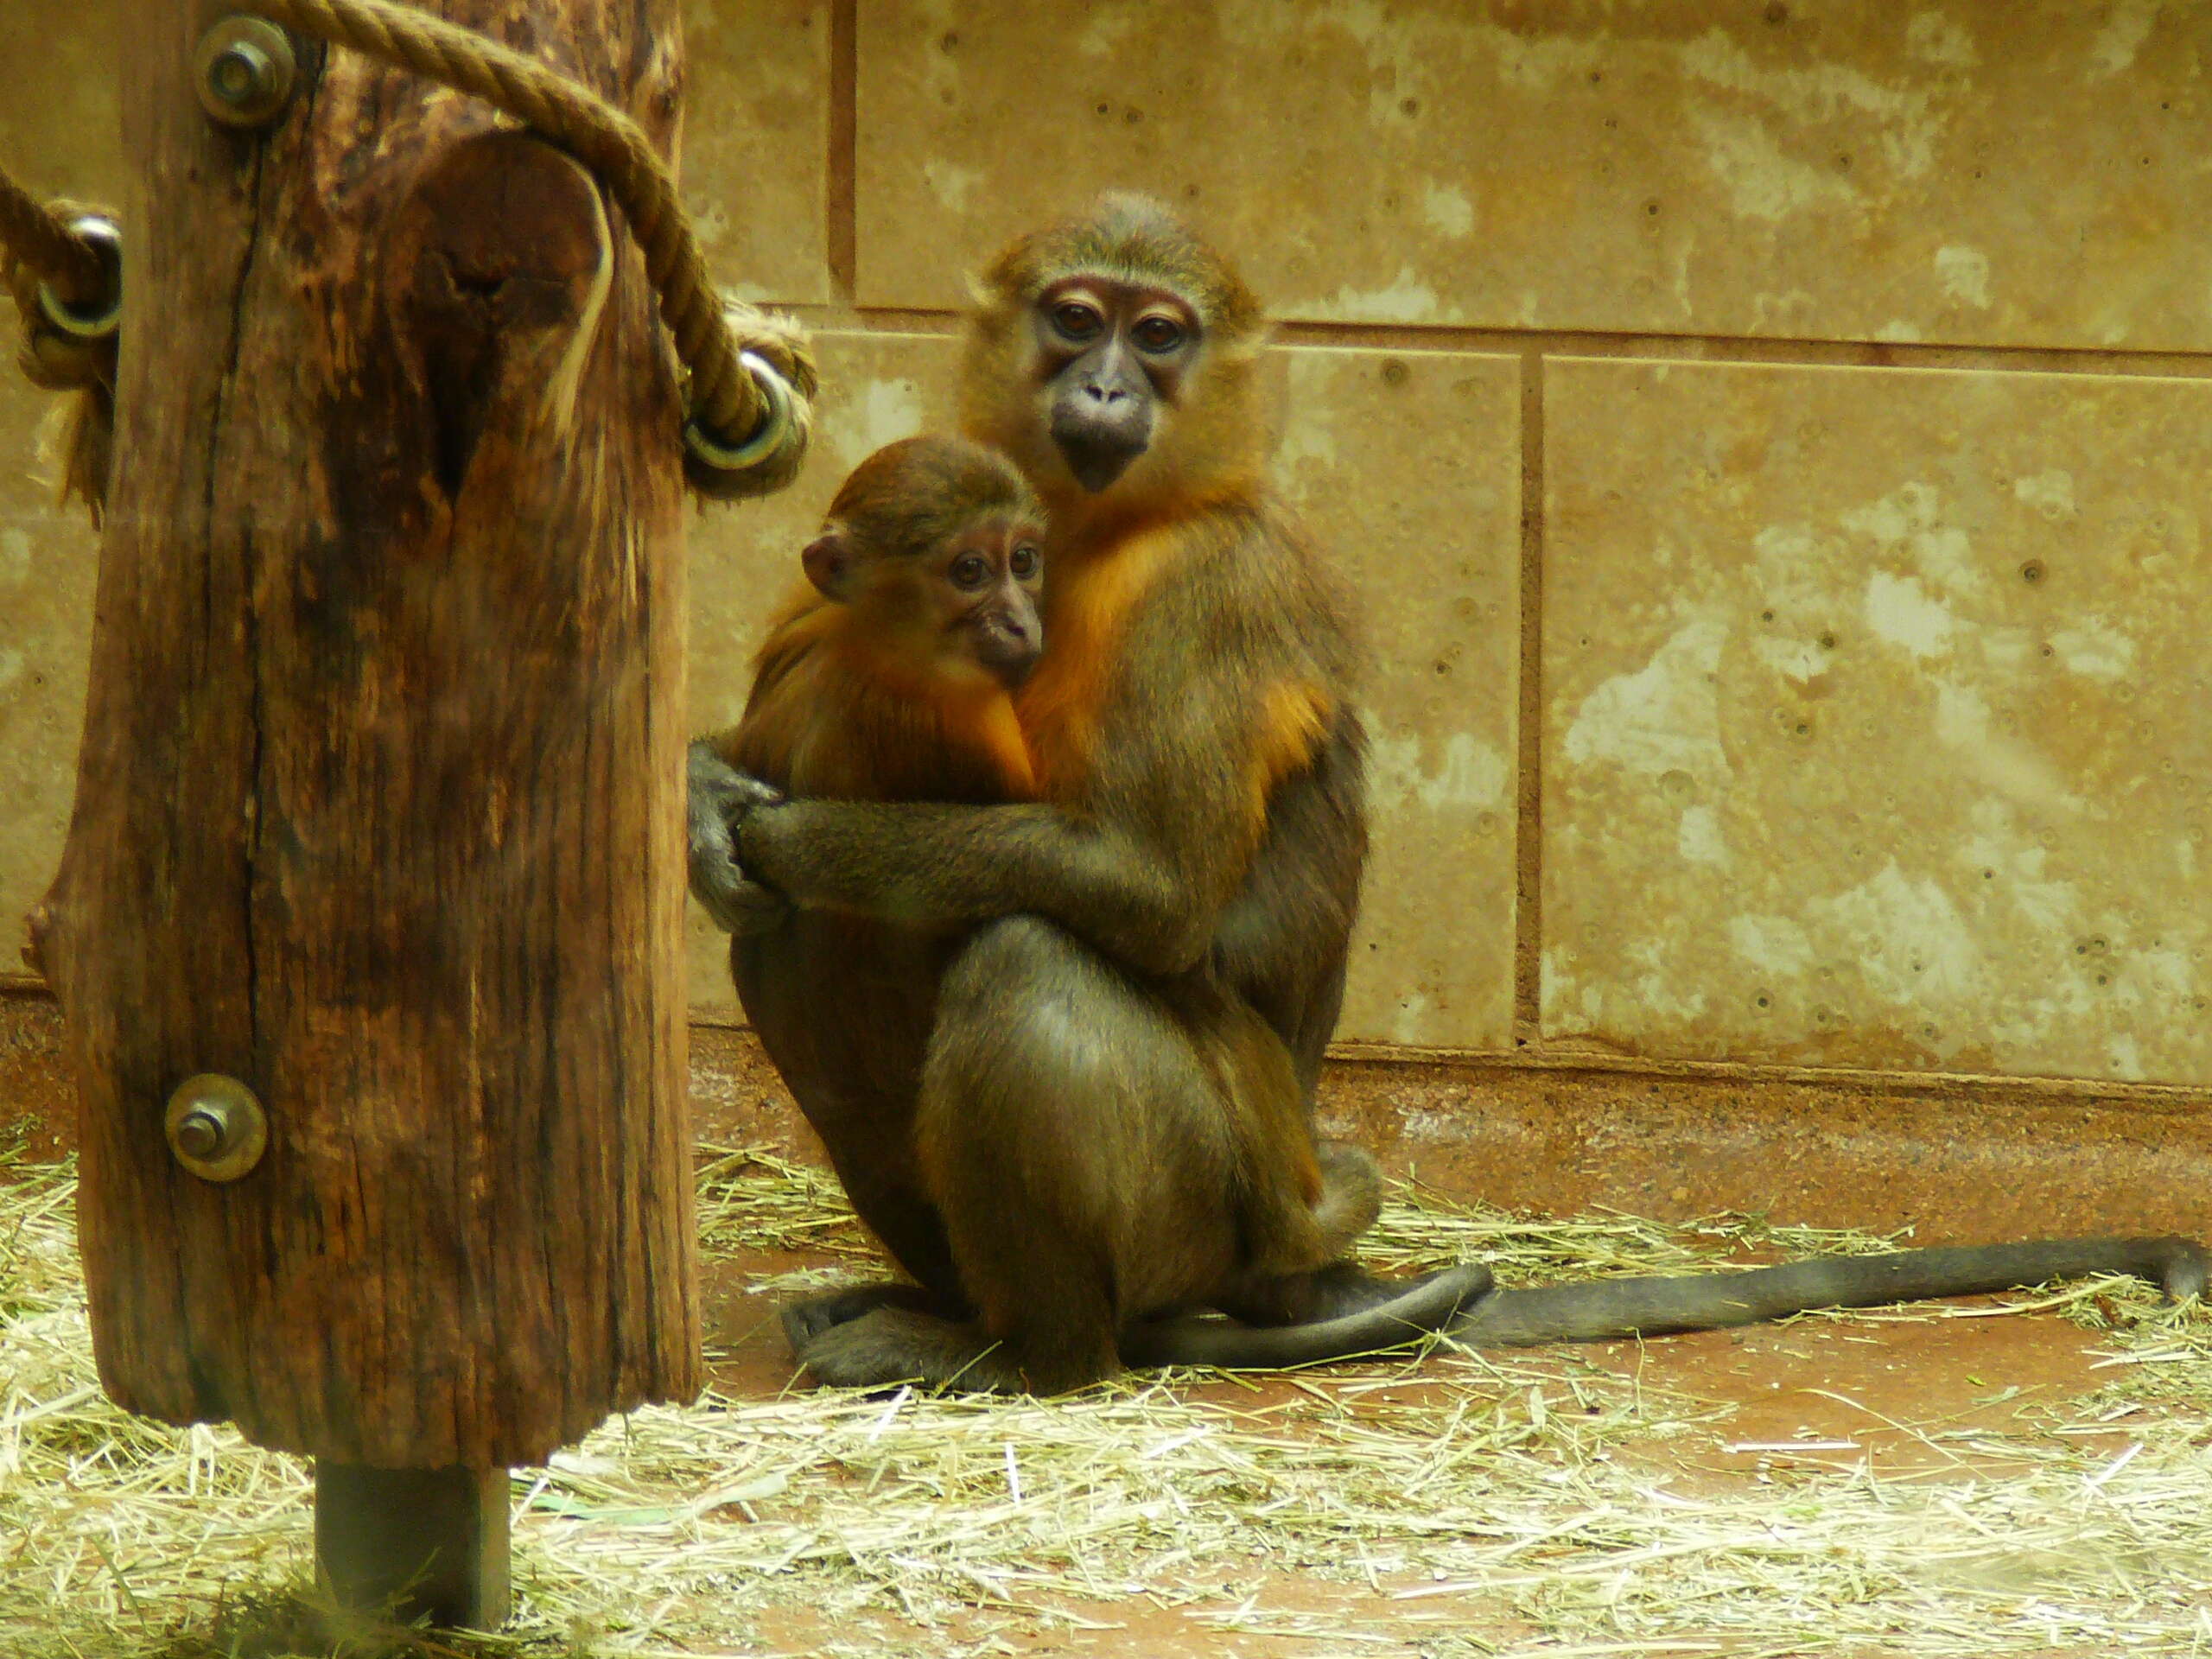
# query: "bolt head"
201,1135
216,1126
246,68
239,73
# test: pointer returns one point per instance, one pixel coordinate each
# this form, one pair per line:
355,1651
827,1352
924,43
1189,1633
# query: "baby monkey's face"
983,586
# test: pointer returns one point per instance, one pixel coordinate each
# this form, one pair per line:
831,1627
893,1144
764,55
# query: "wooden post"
378,811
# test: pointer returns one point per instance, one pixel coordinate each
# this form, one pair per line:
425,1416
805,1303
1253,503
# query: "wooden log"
378,809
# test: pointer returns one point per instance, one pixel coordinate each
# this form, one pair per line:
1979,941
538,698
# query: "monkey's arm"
1172,814
1630,1307
922,864
751,852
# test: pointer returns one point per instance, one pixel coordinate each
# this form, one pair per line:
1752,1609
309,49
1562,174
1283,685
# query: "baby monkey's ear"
829,561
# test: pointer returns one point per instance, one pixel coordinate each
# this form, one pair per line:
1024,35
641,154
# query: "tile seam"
2090,362
2189,1098
1529,747
840,170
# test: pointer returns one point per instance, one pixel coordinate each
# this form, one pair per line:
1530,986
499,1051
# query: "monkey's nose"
1010,648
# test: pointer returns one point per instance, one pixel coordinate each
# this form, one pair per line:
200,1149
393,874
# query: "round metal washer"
216,1126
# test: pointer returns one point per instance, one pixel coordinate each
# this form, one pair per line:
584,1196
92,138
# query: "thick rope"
35,237
723,396
38,245
38,248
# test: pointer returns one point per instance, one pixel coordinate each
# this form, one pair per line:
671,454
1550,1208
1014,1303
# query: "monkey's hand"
720,796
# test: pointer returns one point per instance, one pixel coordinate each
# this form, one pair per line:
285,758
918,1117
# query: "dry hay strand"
1487,1508
752,1199
1428,1230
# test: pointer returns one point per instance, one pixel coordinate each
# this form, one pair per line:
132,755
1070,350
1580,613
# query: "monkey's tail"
1629,1308
1426,1305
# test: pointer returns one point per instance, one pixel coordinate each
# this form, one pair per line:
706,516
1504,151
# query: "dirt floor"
1885,1399
1961,1482
1832,1394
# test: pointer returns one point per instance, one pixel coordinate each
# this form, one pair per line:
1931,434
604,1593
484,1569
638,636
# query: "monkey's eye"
1023,561
1077,320
1157,334
969,570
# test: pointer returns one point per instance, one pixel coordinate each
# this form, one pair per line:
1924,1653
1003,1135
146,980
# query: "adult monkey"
890,677
1172,917
1198,847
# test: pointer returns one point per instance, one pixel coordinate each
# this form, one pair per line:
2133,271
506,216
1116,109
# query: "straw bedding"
1521,1505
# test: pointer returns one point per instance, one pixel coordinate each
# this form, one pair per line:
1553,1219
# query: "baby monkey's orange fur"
884,678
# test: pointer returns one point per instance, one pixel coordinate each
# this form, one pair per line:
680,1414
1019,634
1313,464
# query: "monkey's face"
1112,357
983,586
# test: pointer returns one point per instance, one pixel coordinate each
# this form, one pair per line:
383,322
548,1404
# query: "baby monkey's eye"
970,571
1025,560
1076,319
1159,334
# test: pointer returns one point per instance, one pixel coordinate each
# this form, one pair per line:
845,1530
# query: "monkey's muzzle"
1009,647
1101,420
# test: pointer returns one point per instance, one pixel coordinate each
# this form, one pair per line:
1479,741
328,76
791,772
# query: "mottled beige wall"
59,141
2006,172
1888,688
1769,438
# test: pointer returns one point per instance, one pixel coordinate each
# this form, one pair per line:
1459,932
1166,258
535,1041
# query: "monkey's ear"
829,560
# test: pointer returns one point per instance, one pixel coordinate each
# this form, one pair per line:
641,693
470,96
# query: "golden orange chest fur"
1091,602
1088,600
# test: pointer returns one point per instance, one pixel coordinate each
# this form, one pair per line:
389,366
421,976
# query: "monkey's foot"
720,797
804,1321
892,1343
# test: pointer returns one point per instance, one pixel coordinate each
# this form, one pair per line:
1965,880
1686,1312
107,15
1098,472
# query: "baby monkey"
888,675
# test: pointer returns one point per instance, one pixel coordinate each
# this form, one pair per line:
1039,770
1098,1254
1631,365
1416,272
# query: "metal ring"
82,322
768,437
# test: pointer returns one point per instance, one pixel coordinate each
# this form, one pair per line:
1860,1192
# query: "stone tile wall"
1771,440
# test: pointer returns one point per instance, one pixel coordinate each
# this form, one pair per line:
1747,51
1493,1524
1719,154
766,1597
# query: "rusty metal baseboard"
1953,1158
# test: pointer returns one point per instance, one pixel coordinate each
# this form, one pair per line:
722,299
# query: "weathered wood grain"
377,804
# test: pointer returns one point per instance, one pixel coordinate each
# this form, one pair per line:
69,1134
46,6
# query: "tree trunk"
378,808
